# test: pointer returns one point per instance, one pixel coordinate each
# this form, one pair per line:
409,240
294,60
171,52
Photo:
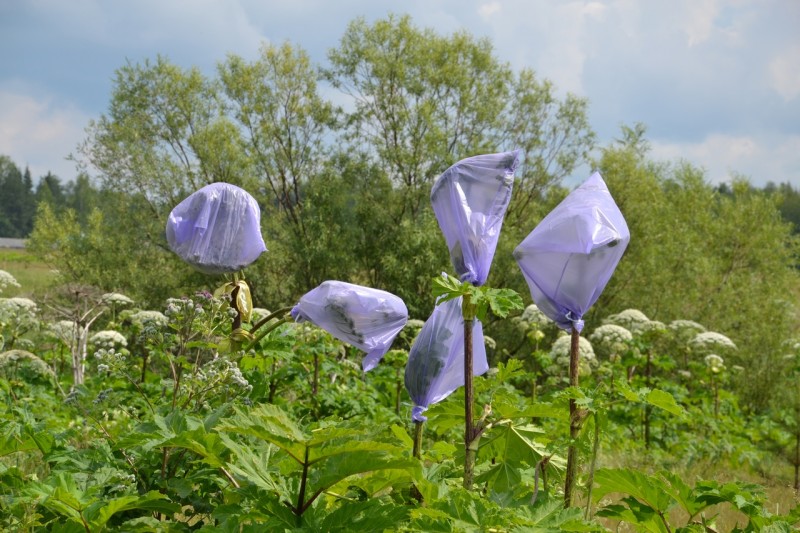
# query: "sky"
716,82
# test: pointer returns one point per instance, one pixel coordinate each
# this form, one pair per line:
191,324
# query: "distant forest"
19,199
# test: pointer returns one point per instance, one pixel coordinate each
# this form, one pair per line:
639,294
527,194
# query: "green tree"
17,202
726,261
421,101
81,196
51,191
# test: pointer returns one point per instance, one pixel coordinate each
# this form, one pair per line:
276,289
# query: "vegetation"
134,413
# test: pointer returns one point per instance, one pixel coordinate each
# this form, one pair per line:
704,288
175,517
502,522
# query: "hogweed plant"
567,261
470,200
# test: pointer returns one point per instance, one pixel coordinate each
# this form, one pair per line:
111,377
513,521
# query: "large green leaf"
650,490
99,513
330,470
270,424
664,400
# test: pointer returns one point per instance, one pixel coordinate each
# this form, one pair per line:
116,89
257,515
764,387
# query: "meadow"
173,428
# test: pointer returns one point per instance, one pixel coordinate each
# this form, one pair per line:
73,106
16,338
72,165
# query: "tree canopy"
344,189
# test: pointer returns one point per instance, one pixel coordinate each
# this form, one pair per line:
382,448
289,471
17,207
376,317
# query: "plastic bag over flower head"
435,365
217,229
369,319
569,257
469,200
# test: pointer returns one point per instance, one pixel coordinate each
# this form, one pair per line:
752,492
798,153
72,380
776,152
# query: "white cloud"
699,20
487,10
759,158
39,134
784,72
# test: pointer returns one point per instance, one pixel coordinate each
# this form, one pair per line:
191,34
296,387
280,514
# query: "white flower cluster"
7,280
490,343
715,363
109,360
631,319
145,319
710,340
559,354
108,339
534,316
115,298
64,330
415,323
223,371
259,313
651,326
177,305
17,305
686,328
611,339
13,358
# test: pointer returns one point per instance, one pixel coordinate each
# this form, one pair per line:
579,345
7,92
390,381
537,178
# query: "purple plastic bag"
369,319
217,229
469,200
435,365
569,257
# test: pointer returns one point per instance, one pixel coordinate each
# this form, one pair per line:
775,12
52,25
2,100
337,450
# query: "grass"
34,276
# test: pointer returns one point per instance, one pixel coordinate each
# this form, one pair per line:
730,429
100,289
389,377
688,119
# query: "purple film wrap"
217,229
470,199
436,361
366,318
571,254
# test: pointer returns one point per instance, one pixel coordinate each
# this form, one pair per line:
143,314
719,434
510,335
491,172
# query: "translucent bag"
469,200
571,254
435,365
366,318
217,229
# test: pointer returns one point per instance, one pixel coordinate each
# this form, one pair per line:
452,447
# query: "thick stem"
574,421
237,320
418,439
469,426
417,453
144,367
302,494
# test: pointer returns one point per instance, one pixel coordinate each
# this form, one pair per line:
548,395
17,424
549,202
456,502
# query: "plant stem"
270,328
302,493
418,439
417,453
237,320
468,312
574,422
274,314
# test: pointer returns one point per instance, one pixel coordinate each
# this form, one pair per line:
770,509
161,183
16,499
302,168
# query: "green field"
33,276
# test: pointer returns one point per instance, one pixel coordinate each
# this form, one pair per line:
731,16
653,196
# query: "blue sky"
717,83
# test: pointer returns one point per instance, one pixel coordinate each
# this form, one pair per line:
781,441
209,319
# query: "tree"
17,202
726,261
422,101
284,121
81,196
50,190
